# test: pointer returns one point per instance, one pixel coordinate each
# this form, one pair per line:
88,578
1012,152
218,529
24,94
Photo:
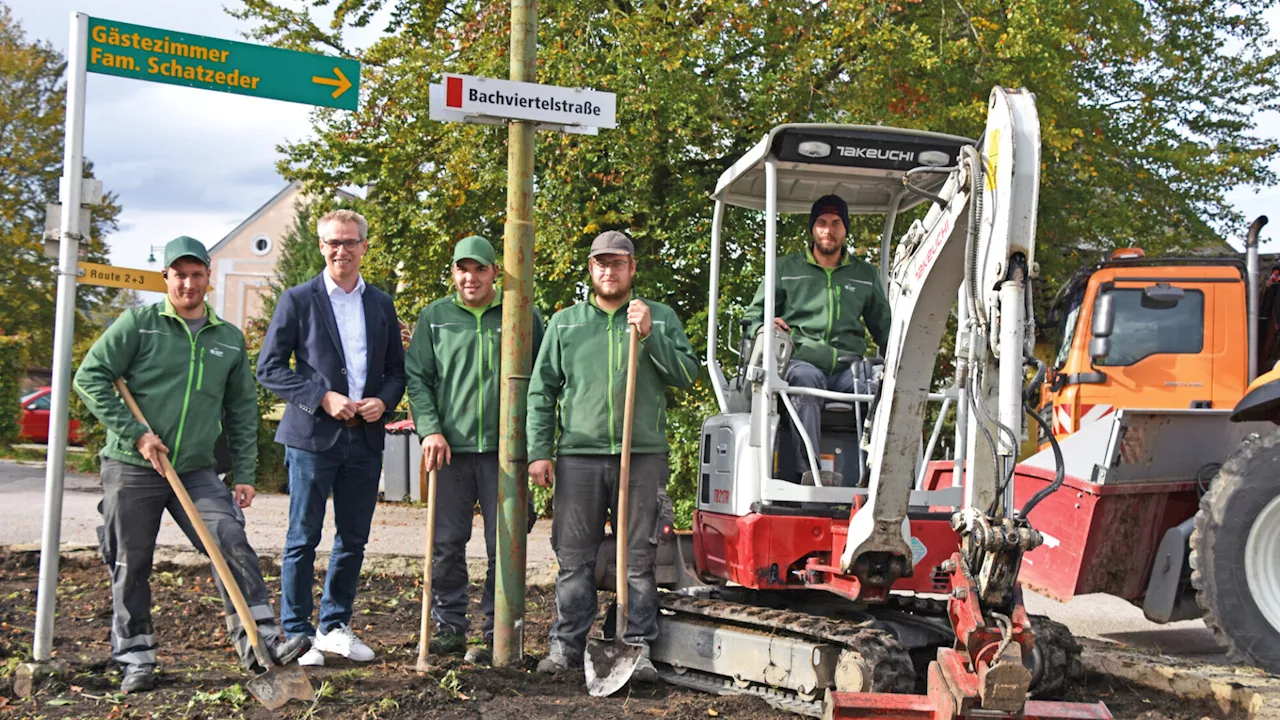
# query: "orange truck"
1164,432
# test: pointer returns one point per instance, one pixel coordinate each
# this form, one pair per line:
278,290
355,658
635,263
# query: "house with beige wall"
243,263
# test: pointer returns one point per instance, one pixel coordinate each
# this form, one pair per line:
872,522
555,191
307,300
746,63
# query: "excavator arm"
975,243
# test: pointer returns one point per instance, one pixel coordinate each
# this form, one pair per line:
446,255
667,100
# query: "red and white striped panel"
1063,424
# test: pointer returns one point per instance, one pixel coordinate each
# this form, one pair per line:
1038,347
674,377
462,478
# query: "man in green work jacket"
578,387
186,367
828,300
453,368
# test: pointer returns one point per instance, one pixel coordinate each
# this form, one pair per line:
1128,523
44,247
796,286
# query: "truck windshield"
1143,329
1066,333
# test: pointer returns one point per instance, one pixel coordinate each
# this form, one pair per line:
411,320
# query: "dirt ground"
199,677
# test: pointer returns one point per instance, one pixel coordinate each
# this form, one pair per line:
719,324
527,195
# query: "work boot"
555,663
645,672
286,651
479,655
448,643
138,678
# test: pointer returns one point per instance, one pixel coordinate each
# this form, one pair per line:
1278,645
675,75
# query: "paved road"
398,530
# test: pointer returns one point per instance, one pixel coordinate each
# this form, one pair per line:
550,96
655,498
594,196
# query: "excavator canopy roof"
863,164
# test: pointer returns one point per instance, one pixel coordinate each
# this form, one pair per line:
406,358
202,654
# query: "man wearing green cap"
186,367
453,369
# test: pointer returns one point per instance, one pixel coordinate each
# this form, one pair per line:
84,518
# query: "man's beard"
620,294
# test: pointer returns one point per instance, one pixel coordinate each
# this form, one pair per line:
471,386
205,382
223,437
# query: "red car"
35,418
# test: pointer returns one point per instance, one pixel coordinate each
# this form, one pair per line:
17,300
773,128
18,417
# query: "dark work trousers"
134,499
469,478
809,408
586,494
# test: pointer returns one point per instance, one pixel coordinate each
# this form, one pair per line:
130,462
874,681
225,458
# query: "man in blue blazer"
347,374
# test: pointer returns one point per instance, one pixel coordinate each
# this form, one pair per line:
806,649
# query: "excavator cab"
748,462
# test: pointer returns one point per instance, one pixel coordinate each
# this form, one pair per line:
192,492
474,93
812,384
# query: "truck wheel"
1235,553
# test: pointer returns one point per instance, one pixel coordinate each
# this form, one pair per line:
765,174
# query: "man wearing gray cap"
578,388
453,370
186,367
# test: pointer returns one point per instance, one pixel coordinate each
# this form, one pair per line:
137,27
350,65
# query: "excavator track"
851,656
870,658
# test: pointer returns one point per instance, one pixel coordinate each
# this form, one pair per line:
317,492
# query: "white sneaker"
342,641
312,658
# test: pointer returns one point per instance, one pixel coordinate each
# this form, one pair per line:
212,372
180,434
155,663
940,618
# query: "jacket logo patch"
217,352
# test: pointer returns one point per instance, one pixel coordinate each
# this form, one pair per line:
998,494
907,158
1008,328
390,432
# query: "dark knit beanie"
829,204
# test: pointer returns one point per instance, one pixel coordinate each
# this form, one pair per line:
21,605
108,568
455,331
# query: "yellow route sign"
111,276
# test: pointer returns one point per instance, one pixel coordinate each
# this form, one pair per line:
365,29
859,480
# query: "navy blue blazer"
303,328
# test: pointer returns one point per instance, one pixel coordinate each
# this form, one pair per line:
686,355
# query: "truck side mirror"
1099,348
1104,318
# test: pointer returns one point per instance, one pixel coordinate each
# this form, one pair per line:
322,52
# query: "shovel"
424,632
278,685
611,661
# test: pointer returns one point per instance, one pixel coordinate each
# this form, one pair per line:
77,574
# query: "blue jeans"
349,471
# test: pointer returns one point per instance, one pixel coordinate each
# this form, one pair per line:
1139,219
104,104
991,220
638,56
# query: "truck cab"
1133,332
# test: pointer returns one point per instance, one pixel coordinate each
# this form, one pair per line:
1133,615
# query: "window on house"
261,245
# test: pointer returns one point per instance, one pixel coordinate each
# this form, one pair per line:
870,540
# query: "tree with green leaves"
32,113
1148,118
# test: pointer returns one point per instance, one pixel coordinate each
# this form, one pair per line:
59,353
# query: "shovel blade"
279,685
610,664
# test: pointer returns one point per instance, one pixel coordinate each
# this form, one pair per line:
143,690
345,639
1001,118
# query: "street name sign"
437,111
146,53
111,276
467,96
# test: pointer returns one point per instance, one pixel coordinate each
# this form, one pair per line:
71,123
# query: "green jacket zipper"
186,398
480,383
612,371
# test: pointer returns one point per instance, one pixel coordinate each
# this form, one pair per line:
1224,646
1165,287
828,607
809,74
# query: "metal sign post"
63,331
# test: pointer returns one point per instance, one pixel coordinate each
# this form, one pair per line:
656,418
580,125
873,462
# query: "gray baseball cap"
612,242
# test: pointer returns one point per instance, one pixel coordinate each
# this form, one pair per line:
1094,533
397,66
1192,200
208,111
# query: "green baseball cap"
475,248
183,247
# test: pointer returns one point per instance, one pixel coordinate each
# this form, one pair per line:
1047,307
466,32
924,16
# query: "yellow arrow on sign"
340,82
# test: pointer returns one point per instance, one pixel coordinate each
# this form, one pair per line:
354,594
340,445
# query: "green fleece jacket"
829,310
183,384
580,378
453,368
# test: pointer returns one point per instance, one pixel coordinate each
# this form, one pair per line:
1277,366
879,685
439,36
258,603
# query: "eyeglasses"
614,265
335,244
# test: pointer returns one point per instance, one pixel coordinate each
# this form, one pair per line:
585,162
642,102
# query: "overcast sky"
196,162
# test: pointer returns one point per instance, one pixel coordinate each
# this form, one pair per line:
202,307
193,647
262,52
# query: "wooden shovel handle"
424,631
206,537
624,480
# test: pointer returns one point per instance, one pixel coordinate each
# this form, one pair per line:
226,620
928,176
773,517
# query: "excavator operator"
828,300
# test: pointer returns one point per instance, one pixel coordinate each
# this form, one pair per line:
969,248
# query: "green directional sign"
146,53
